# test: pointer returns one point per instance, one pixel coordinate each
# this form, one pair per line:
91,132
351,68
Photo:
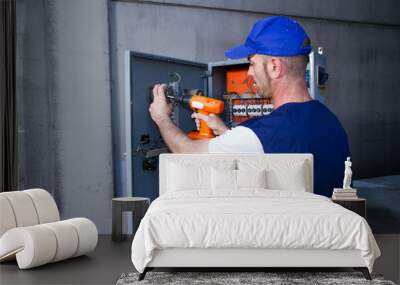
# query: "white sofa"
31,231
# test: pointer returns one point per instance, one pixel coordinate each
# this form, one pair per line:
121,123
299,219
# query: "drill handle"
204,129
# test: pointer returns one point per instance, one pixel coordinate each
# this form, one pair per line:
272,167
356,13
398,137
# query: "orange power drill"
200,103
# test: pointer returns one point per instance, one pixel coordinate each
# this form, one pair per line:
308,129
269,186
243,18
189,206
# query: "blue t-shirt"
308,127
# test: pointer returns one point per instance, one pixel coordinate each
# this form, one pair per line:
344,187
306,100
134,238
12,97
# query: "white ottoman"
31,232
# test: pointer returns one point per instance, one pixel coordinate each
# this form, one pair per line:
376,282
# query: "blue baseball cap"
275,36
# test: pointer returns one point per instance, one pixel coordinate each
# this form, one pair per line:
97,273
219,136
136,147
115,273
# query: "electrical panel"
228,80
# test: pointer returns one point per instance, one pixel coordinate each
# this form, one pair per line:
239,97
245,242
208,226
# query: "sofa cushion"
23,208
40,244
7,220
26,208
32,246
45,205
67,240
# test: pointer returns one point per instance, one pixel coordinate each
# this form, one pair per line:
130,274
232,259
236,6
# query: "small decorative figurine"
347,174
345,193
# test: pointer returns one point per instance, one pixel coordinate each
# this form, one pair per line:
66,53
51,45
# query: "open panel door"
145,71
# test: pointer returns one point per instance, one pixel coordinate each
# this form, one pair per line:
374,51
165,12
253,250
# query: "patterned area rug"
230,278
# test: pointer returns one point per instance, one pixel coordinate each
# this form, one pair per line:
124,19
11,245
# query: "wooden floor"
103,266
111,259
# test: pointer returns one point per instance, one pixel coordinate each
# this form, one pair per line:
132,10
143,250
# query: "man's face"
258,71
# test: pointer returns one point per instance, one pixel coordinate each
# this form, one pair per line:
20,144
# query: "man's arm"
176,140
240,139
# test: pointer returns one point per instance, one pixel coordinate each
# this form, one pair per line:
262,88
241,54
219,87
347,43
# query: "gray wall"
63,80
361,40
36,162
63,90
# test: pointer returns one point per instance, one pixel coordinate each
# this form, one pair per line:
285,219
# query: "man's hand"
176,140
159,110
213,121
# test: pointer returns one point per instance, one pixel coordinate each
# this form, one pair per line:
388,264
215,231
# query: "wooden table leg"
116,221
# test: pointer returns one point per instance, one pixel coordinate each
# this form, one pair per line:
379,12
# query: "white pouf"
31,232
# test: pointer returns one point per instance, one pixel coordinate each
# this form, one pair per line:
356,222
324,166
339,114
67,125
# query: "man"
277,49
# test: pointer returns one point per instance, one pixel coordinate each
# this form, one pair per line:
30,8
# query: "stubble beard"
267,88
266,91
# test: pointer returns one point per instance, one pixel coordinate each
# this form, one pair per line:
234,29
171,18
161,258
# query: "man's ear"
275,67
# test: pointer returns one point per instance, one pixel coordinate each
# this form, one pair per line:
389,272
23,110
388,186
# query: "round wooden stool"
137,205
